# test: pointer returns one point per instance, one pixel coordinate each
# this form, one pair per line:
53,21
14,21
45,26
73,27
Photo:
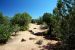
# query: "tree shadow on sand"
48,46
51,38
48,37
52,46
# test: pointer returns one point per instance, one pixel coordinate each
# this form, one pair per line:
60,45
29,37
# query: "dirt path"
15,42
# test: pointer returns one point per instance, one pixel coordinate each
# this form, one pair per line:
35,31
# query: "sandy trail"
15,42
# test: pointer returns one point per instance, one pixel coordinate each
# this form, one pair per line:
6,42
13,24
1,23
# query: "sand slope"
15,42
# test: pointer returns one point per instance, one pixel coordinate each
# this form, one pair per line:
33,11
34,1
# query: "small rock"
41,49
31,38
31,31
23,40
34,28
39,42
39,46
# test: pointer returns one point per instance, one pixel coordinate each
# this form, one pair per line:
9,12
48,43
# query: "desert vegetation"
22,20
15,24
60,26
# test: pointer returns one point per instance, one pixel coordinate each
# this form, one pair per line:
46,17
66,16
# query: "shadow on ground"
44,35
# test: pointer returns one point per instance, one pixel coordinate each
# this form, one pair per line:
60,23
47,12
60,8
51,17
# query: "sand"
15,42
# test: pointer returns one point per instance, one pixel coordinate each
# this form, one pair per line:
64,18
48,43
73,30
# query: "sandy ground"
15,42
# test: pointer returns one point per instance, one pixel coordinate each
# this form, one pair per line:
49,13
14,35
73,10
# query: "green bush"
47,18
22,20
15,28
70,41
4,19
33,21
38,21
5,32
23,28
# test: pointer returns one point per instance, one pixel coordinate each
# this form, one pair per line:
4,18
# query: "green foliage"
22,20
15,28
4,19
5,32
5,28
59,4
53,22
47,18
70,42
39,20
67,27
23,28
33,21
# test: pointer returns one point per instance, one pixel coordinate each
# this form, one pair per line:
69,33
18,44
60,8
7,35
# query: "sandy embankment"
15,42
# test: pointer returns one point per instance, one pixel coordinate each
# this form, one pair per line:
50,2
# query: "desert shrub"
68,44
33,21
39,20
16,28
47,18
67,27
4,19
22,20
5,32
23,28
5,28
70,41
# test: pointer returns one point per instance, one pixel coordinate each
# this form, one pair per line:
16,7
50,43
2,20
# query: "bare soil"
15,42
